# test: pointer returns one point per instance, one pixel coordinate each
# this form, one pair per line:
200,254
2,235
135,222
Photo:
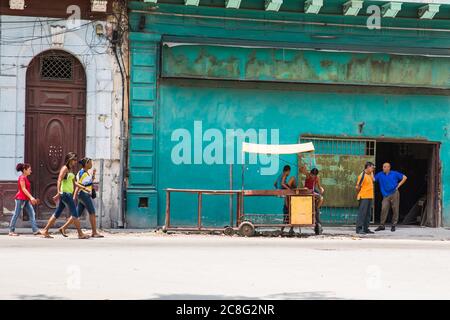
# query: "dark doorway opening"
419,196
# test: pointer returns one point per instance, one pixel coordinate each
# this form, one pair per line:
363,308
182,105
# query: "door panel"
31,149
55,121
55,141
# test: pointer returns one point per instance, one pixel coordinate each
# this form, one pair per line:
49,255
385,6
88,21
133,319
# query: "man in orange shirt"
364,186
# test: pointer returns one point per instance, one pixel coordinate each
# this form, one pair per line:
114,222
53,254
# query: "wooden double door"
55,120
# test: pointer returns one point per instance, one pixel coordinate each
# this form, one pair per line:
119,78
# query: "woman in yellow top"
85,191
65,187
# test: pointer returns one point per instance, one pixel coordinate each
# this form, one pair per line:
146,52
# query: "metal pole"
231,195
120,215
167,224
100,198
239,207
199,211
243,165
242,187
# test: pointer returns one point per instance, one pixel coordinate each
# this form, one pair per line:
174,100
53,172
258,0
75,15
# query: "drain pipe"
121,214
121,197
100,202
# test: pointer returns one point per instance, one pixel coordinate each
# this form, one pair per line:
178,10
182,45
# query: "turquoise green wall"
157,107
293,112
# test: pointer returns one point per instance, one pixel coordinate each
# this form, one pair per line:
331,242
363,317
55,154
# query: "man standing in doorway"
389,182
364,186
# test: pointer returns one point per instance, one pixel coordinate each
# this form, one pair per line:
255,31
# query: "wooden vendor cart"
300,201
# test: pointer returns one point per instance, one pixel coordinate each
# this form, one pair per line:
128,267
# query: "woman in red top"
312,183
24,199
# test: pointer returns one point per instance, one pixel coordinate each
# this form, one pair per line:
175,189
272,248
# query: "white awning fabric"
277,148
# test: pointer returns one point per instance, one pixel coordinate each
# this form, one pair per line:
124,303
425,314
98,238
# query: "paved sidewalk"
403,232
153,265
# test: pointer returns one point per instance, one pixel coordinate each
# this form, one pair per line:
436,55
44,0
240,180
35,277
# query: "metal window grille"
56,67
340,161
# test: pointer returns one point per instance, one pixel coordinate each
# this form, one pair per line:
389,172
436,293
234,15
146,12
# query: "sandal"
84,236
46,235
97,235
62,232
13,234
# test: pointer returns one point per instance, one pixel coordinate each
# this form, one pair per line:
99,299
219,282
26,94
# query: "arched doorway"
55,120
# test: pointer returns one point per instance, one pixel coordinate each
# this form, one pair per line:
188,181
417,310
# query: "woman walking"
65,187
23,199
85,191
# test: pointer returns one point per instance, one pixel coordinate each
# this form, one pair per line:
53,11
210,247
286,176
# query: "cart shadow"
275,234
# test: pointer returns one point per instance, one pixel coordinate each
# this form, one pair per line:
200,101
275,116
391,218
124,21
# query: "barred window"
56,67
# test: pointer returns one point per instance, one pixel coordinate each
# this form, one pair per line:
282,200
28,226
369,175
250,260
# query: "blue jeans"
66,200
85,202
23,204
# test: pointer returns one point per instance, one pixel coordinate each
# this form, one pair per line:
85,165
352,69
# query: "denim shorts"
85,202
66,200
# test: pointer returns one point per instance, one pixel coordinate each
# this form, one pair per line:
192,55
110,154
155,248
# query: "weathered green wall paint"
294,34
293,112
141,217
141,159
147,175
263,64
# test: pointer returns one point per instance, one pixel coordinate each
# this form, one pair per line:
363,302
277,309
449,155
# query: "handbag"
94,193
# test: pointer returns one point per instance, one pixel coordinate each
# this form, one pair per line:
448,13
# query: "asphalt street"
160,266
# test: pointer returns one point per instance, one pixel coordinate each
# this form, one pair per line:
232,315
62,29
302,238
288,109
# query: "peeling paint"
265,64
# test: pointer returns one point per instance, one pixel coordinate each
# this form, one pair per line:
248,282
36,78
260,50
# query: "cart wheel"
246,229
228,231
291,232
318,229
277,233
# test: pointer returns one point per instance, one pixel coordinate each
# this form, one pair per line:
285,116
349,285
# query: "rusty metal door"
433,218
55,120
340,161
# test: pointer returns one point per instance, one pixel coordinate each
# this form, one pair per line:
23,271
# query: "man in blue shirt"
389,181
